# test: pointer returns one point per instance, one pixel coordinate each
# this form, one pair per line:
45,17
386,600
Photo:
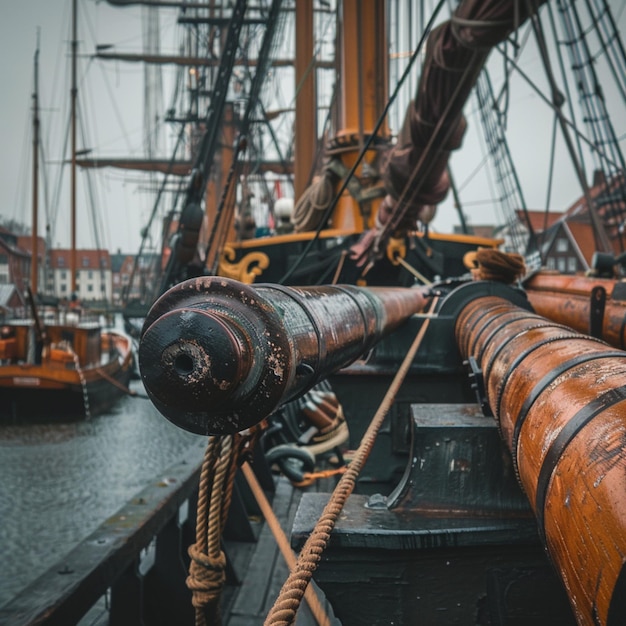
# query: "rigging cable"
612,45
600,236
283,612
253,96
596,118
568,95
146,230
570,125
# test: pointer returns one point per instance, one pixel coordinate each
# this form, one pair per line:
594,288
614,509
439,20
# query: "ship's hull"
61,391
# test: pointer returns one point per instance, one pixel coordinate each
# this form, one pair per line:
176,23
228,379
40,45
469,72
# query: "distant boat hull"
57,390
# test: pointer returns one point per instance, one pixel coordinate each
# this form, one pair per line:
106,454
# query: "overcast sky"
111,105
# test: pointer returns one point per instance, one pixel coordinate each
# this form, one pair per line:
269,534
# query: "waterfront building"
93,274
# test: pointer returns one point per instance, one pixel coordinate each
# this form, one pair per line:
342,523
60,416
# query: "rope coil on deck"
283,612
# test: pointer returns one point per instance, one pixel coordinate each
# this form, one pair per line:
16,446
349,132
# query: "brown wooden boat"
68,372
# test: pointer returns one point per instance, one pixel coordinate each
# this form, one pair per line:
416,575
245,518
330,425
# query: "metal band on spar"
218,356
560,400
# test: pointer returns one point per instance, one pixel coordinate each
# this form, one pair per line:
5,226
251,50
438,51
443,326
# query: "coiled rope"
312,204
208,562
492,264
283,612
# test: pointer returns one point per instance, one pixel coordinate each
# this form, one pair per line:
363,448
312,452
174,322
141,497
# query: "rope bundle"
207,570
206,576
492,264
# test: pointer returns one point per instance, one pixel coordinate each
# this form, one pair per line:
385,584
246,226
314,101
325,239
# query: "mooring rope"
412,270
284,611
83,381
115,383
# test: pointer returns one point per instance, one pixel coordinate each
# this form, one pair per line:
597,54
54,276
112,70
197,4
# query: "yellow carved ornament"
248,267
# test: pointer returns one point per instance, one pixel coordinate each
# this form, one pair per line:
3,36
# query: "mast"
34,262
73,93
306,137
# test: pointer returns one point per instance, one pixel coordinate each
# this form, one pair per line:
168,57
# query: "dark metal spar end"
218,356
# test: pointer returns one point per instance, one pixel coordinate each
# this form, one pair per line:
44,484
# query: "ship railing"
132,568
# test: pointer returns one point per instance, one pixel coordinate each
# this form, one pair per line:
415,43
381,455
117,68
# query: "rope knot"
206,576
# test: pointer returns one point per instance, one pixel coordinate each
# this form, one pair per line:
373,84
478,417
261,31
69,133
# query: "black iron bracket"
478,385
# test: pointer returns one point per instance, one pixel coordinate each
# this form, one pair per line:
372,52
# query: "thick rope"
412,270
281,540
492,264
208,562
283,612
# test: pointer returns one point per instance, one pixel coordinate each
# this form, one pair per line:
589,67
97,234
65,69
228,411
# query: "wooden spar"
560,401
416,177
34,260
218,356
306,111
596,306
73,96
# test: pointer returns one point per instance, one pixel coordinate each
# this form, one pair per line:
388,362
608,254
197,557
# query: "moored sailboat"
63,364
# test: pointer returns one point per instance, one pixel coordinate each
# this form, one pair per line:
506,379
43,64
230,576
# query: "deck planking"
265,572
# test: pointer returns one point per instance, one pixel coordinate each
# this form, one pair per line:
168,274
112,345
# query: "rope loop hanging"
207,570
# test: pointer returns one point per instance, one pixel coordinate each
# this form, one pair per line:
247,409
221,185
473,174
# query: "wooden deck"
262,570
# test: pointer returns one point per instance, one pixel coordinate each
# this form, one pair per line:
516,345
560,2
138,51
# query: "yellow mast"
306,135
364,93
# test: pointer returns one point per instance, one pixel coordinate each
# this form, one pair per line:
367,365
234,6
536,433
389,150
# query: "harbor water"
59,482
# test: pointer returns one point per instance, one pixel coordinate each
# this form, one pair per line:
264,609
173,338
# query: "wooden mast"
34,261
363,72
73,93
306,137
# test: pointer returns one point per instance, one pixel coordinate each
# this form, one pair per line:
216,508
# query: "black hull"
61,405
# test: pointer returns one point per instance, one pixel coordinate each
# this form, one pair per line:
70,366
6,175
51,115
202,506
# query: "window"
560,263
85,261
89,287
550,263
572,266
63,275
61,261
89,274
561,244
